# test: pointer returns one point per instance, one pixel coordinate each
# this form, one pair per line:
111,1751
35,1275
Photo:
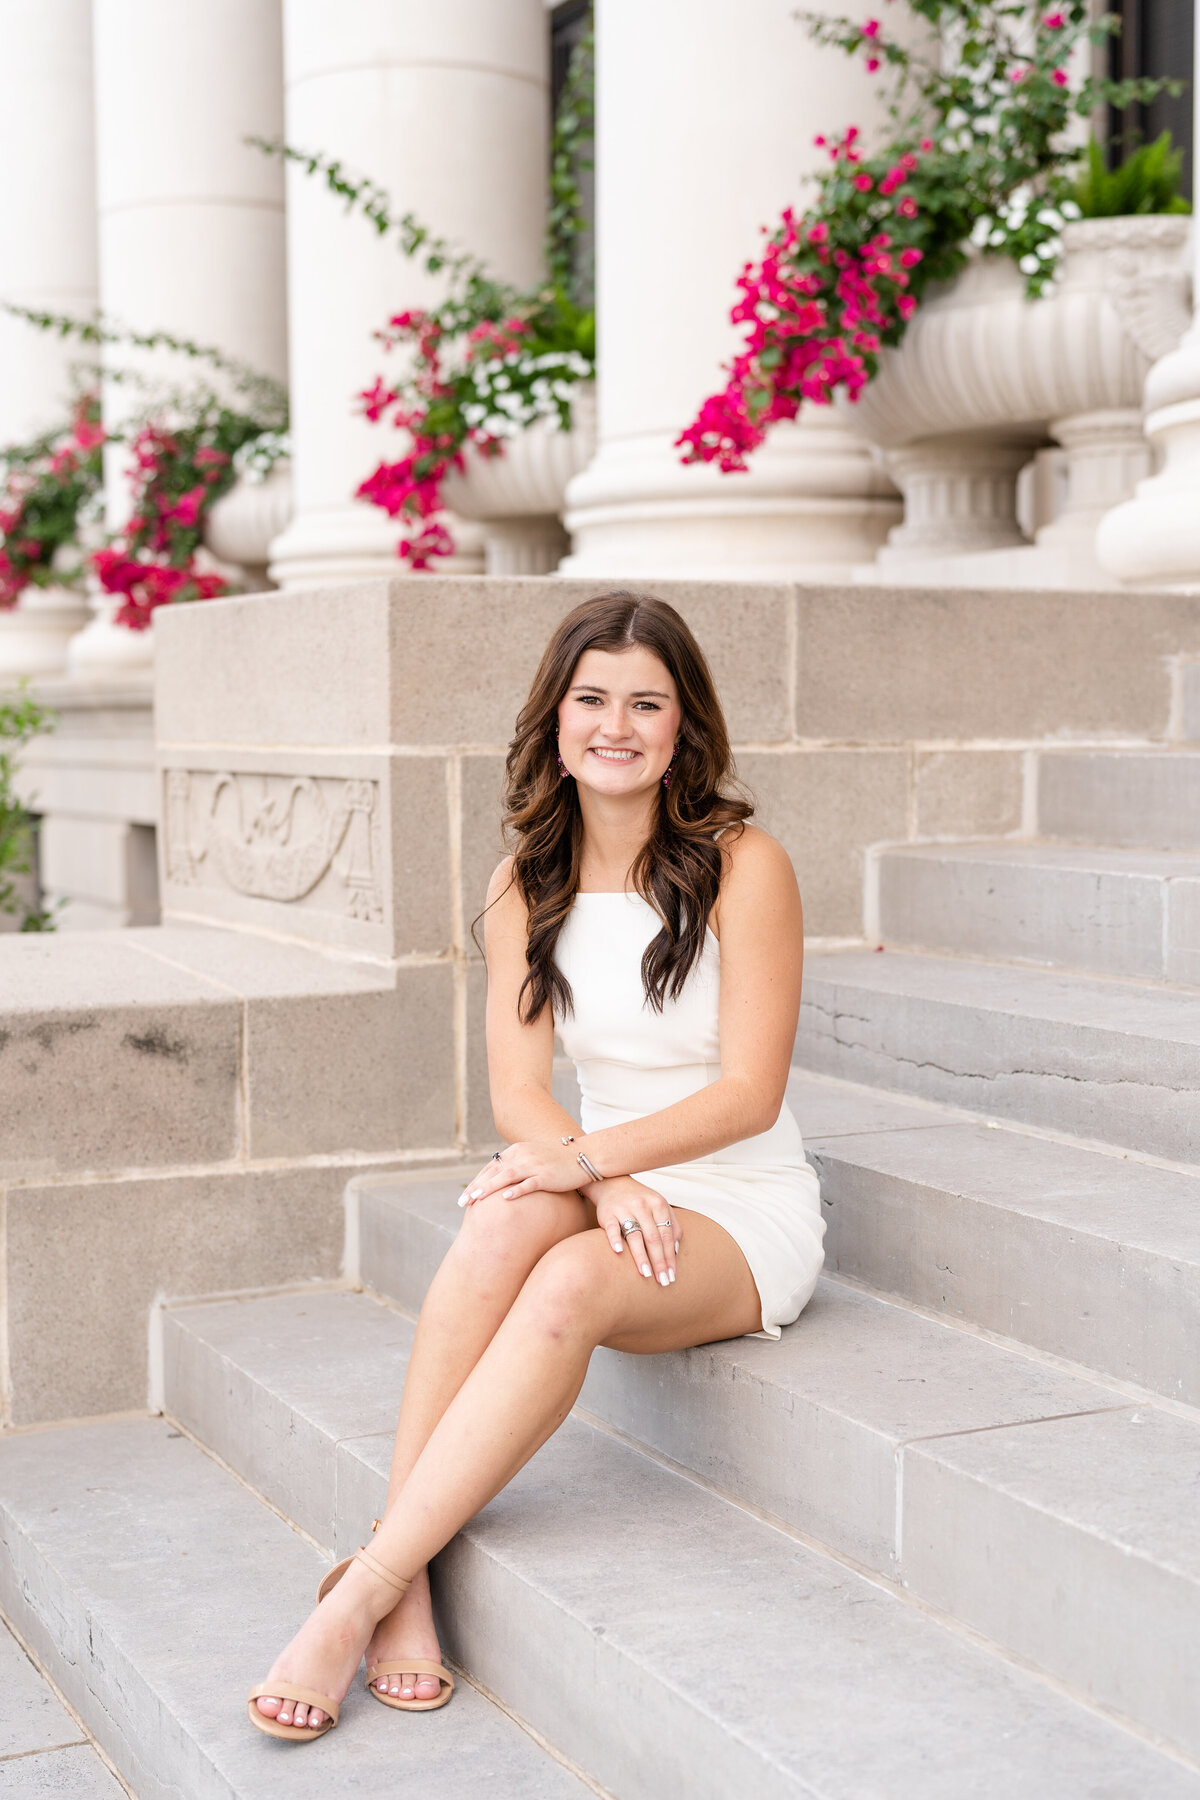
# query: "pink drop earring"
563,770
670,766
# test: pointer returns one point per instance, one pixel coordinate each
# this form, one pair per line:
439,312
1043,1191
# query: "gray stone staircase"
940,1543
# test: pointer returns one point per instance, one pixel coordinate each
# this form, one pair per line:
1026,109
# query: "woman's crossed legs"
526,1293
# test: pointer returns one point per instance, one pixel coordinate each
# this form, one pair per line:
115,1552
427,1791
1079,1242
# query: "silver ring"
664,1224
495,1156
628,1227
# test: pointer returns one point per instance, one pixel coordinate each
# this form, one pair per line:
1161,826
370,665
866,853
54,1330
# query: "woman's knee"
507,1237
570,1291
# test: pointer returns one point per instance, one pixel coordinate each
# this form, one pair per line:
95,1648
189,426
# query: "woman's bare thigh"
713,1296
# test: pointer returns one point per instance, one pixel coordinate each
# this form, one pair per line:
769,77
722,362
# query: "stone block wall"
182,1105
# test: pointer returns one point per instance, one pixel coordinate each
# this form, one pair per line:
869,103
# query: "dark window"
566,28
568,23
1157,38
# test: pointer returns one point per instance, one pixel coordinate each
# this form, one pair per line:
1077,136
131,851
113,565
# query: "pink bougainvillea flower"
907,207
1020,72
863,183
186,510
377,398
818,233
910,256
88,435
871,28
927,144
1059,78
1054,21
872,64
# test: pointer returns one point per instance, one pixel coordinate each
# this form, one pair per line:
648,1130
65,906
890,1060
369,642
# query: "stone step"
820,1430
156,1589
662,1638
43,1751
1137,798
1086,1254
1114,912
1102,1059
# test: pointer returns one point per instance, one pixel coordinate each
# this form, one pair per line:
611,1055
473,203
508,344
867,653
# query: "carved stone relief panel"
309,840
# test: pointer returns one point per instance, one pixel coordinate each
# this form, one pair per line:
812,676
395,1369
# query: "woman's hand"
655,1242
539,1164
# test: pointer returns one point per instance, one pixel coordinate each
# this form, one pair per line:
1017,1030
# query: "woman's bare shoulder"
505,909
752,856
503,880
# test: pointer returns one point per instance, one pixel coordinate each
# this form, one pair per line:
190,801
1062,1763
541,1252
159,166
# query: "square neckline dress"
631,1060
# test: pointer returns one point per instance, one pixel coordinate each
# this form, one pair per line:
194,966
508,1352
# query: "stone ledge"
182,1109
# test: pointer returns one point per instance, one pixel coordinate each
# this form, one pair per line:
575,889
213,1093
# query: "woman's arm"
761,930
520,1057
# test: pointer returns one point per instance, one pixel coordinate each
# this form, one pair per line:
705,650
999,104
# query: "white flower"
1070,210
955,118
997,238
1029,265
1048,249
1048,216
980,230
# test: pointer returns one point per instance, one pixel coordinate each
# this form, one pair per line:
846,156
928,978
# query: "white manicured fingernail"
677,1246
670,1274
664,1279
462,1199
645,1268
509,1192
477,1193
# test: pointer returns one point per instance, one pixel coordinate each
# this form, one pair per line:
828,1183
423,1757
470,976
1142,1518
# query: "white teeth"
615,755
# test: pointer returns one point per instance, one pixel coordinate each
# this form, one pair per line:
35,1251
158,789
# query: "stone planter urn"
518,497
242,525
984,377
35,633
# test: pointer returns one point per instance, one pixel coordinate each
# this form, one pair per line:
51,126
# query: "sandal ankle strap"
401,1583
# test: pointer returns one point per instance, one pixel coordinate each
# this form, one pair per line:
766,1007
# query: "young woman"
663,937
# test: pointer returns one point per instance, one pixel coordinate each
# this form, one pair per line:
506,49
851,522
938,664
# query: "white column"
447,107
1153,540
47,259
706,114
190,216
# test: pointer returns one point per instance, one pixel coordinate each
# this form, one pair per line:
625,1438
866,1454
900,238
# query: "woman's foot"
328,1647
408,1630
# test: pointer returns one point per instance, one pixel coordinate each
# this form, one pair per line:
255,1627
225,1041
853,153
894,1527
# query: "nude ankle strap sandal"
283,1690
410,1666
401,1583
414,1665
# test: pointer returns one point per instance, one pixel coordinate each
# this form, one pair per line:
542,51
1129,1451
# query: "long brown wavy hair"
678,870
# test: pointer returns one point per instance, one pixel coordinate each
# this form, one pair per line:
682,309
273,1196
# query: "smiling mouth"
615,756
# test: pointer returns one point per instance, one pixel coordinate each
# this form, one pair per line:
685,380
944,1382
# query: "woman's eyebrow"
590,687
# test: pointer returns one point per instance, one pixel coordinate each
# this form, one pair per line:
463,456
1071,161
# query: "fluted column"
706,114
1153,540
447,107
191,218
47,259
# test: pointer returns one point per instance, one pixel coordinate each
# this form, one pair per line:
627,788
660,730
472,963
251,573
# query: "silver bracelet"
589,1167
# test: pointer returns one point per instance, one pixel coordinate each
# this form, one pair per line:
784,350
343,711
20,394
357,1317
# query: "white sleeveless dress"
632,1060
